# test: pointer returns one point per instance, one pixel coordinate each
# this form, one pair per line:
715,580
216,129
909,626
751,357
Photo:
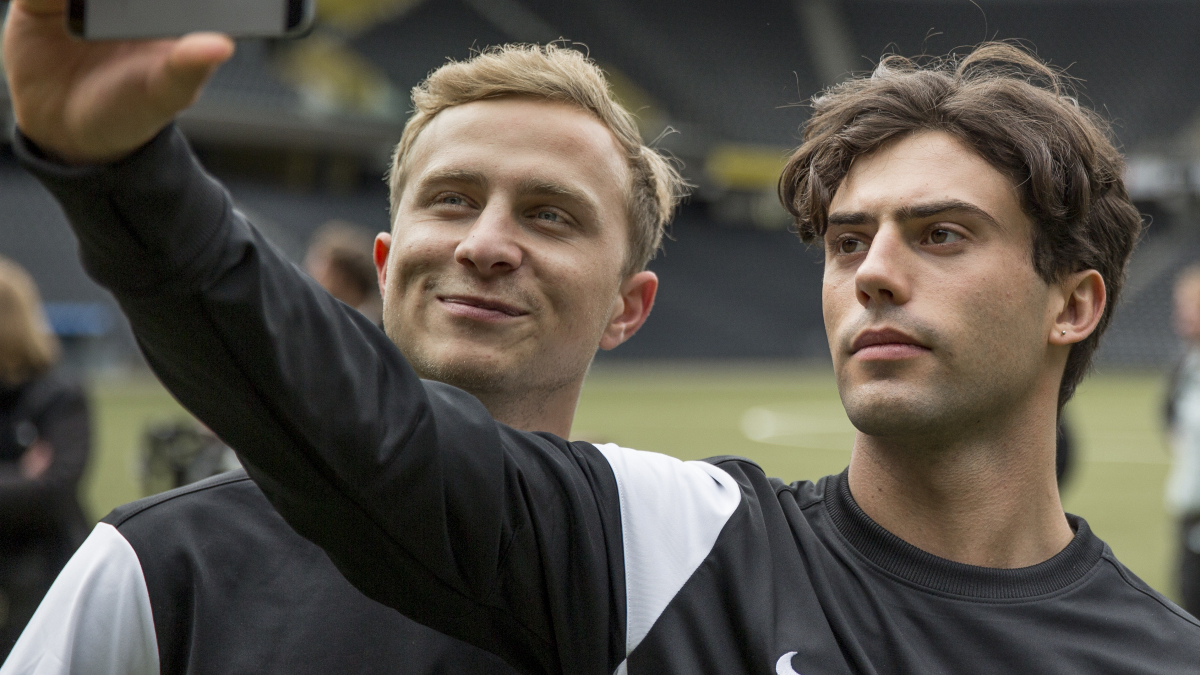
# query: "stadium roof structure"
729,77
734,77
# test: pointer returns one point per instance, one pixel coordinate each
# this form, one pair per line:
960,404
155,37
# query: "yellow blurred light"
356,15
746,167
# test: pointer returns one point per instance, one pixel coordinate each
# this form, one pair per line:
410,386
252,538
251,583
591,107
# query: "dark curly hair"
1019,114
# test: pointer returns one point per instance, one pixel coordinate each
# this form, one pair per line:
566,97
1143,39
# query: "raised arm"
508,540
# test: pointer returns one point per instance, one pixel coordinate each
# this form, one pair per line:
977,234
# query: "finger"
42,6
191,62
201,50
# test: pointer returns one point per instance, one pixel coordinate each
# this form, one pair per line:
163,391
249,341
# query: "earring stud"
1064,332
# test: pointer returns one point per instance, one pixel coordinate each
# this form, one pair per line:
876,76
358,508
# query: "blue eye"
549,215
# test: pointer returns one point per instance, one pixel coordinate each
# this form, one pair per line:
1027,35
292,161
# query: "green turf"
786,418
121,411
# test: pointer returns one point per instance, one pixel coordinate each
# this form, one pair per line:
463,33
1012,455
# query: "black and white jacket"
560,557
209,579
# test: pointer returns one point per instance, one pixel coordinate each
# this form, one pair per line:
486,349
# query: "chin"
890,411
474,373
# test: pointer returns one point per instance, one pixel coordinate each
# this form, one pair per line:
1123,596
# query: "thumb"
43,6
191,62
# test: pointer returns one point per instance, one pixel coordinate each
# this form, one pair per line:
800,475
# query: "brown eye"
944,237
849,245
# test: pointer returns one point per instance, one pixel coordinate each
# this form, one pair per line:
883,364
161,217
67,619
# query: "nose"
882,276
491,245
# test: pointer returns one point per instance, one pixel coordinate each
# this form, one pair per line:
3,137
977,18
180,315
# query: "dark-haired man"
944,548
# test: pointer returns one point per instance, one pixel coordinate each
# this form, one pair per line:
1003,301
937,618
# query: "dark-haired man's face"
937,321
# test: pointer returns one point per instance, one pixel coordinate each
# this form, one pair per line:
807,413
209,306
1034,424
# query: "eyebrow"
916,212
473,178
535,186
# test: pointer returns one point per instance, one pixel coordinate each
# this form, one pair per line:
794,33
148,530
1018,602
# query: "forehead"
926,167
524,140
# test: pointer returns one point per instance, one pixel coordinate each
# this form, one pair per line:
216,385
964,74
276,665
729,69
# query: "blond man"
525,209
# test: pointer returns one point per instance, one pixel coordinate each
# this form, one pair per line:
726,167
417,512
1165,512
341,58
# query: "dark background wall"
735,282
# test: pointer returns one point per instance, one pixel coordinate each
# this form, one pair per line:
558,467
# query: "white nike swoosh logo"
784,665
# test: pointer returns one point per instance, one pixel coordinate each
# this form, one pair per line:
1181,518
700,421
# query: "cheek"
834,298
416,253
1008,314
583,296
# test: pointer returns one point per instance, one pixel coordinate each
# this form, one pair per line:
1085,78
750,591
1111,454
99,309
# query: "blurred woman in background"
44,445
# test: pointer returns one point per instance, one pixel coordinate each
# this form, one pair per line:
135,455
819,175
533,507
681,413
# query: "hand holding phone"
132,19
90,102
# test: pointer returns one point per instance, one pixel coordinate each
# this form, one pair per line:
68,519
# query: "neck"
543,410
990,500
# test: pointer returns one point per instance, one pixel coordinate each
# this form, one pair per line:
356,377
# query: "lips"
886,343
480,307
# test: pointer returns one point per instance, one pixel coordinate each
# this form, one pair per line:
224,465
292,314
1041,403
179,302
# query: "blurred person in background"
340,258
44,445
1183,426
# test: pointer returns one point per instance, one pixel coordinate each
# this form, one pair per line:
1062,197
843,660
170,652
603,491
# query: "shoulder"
96,619
1156,608
669,486
672,513
1115,616
218,518
228,490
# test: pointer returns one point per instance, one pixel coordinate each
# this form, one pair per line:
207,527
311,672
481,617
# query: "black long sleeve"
508,540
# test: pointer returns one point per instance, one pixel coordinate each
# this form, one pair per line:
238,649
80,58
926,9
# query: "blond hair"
27,347
553,73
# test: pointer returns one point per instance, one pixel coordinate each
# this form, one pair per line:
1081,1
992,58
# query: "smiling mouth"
480,308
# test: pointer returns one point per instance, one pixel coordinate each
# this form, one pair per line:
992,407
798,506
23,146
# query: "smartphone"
137,19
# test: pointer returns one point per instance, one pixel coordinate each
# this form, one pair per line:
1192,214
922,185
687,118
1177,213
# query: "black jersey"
208,578
561,557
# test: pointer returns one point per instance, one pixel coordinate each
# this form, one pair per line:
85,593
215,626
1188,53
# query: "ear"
1084,297
631,308
383,244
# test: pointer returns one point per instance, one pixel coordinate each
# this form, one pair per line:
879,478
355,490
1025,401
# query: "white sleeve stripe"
96,618
671,515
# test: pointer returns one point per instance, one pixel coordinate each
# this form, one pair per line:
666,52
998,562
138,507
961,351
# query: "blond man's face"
508,246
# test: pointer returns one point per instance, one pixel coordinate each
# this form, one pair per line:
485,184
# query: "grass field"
785,417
